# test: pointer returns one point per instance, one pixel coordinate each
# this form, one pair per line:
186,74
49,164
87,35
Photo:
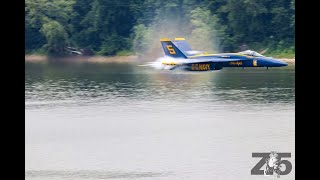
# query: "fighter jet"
180,56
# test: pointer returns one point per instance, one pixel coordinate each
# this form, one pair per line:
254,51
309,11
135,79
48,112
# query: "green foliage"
282,53
113,27
125,53
142,38
203,33
49,20
56,37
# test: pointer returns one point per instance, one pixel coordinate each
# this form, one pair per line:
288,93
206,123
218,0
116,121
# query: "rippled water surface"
122,121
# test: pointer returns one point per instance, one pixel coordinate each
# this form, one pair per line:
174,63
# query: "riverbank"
105,59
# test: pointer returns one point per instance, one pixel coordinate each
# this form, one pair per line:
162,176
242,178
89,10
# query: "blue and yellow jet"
182,57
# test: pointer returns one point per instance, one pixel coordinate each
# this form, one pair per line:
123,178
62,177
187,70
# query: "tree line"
115,27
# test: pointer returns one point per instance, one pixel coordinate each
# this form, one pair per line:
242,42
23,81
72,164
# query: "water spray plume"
198,29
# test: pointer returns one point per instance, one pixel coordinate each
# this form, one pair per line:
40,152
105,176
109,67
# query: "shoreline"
106,59
289,61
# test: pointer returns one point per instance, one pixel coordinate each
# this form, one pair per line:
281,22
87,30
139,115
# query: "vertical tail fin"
170,49
182,44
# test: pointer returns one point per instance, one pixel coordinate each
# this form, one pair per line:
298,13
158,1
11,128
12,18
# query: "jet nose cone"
281,63
285,64
278,63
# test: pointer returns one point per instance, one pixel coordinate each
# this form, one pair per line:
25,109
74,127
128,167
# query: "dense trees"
47,24
109,27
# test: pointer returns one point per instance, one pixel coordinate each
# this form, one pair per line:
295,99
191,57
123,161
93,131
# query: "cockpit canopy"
251,53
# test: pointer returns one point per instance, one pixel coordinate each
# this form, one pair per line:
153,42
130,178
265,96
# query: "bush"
125,53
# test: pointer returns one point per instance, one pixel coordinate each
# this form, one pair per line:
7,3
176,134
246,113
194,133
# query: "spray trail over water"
197,26
158,63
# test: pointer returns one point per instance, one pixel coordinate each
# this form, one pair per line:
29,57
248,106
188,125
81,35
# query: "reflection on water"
99,83
126,118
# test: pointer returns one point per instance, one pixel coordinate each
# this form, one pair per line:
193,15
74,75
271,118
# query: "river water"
123,121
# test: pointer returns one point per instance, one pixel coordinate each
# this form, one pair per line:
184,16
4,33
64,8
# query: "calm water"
122,121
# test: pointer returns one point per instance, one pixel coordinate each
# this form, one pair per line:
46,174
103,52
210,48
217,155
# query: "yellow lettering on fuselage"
200,67
238,63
